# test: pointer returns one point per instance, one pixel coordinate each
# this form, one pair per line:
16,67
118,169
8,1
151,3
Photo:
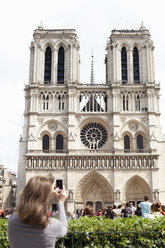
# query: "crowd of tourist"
145,209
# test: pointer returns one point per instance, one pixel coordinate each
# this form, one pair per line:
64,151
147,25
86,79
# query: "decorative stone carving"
152,136
109,119
79,117
40,120
133,126
65,120
53,126
143,119
123,120
70,197
31,137
116,137
155,195
83,163
117,195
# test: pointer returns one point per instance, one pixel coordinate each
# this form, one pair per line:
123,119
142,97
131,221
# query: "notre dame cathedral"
103,140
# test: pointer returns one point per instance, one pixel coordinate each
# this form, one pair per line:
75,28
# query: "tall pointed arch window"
59,143
126,143
124,65
48,65
136,65
61,60
140,142
45,143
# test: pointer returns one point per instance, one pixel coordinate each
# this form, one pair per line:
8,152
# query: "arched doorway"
93,188
135,190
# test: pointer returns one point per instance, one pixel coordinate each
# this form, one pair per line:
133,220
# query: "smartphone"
59,183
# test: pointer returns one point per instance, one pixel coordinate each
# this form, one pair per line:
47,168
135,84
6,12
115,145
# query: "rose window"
93,135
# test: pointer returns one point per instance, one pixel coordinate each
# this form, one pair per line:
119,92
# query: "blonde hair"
35,202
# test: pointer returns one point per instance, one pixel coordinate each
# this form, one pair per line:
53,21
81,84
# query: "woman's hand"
61,195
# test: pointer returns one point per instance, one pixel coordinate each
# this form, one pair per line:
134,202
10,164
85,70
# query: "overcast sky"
93,21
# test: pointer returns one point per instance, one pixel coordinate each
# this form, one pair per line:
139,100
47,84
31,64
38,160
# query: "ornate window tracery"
93,135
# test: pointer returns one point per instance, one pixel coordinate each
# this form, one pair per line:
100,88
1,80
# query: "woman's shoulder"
13,217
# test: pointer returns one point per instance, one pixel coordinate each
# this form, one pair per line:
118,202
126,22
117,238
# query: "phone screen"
59,183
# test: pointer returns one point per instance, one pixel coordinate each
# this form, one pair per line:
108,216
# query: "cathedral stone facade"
103,140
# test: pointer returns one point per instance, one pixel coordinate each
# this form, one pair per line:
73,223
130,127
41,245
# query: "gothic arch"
60,43
143,137
46,133
130,140
135,189
93,187
47,43
135,44
134,126
45,124
123,44
59,132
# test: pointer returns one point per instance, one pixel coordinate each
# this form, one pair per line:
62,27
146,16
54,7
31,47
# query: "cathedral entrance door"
94,189
135,190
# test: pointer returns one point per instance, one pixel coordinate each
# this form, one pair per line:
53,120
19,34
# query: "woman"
31,226
155,211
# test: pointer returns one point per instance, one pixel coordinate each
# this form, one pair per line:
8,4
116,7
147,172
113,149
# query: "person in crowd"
163,210
118,211
145,207
53,213
98,212
132,208
108,213
7,212
73,216
155,211
138,211
114,212
88,211
1,210
127,212
78,213
30,225
68,215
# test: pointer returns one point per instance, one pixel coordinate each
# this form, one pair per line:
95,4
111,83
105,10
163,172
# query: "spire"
40,26
92,69
142,27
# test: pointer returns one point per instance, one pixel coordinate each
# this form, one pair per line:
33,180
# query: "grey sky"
93,21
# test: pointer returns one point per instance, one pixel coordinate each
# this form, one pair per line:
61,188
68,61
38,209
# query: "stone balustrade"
63,162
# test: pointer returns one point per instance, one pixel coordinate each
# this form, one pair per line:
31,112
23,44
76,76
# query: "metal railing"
99,238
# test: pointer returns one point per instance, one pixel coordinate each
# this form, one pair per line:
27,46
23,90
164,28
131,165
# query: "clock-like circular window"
93,135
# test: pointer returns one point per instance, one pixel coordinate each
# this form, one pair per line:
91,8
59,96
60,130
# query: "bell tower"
54,65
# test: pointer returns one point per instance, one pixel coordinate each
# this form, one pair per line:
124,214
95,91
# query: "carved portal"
94,188
135,190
